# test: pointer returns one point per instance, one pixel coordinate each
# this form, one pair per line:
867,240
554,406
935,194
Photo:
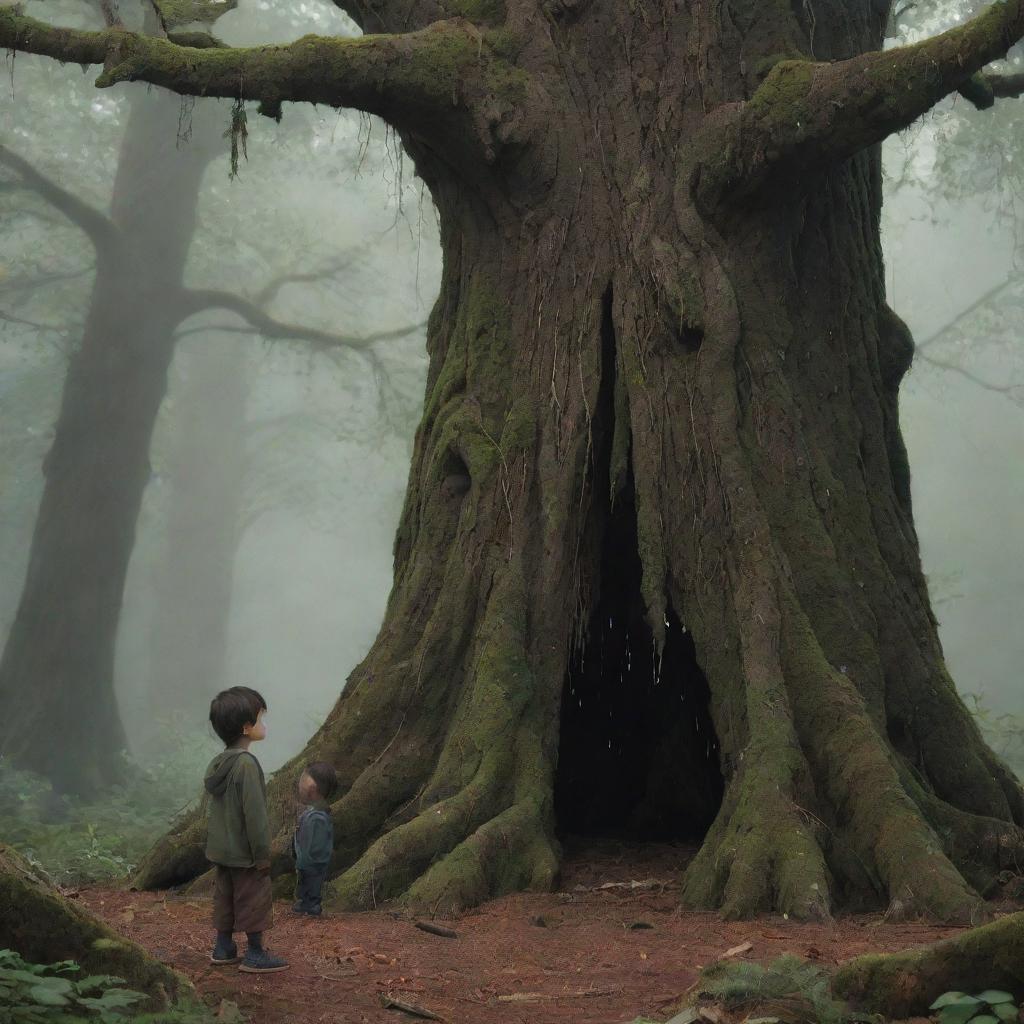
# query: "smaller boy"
238,833
314,836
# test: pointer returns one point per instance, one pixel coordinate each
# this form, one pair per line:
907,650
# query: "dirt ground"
604,950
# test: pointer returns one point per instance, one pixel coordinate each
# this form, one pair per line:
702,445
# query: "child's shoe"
259,961
300,908
224,953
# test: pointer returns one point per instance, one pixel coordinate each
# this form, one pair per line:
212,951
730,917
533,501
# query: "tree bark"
56,674
659,471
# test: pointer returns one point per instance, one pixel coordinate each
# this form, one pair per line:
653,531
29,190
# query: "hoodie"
313,842
238,832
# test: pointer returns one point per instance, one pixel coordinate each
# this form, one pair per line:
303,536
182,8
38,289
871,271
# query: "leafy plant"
988,1007
31,993
45,993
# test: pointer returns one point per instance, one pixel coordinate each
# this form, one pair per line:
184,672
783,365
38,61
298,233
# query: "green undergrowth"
88,841
41,993
788,990
989,1007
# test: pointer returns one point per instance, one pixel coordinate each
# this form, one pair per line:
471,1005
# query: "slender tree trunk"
56,676
205,473
657,569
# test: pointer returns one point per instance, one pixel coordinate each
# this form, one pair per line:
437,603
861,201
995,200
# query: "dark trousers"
308,887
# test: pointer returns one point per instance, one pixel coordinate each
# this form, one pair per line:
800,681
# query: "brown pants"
243,900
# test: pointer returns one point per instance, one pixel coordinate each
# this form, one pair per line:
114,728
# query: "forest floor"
604,950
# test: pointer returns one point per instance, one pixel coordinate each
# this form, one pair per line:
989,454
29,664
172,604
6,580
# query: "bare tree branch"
806,115
101,231
982,300
30,284
439,81
1010,390
10,318
197,300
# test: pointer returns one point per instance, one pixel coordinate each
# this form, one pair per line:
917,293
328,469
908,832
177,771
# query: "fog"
317,442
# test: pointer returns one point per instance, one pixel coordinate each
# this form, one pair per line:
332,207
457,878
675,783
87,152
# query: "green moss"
42,927
185,12
504,42
782,94
905,984
490,11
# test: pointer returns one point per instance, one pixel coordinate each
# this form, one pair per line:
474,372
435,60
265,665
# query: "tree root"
43,927
905,984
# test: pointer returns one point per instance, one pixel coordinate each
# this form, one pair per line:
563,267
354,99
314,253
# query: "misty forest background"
278,465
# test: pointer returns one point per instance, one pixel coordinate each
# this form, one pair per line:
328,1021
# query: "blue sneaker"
224,953
259,961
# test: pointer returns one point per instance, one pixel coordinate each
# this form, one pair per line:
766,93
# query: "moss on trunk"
906,984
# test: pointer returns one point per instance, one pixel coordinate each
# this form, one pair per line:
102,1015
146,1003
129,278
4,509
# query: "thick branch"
101,230
418,80
200,299
808,115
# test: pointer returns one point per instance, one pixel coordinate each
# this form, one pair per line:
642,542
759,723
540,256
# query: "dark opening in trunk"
638,755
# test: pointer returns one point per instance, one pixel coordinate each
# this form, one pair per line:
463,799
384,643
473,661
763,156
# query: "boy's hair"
232,710
325,777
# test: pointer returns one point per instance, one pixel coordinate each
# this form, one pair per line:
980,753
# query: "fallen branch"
436,929
410,1008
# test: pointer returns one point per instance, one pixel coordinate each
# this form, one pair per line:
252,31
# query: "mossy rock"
43,927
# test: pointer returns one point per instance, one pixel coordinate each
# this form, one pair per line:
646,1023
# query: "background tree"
58,663
662,396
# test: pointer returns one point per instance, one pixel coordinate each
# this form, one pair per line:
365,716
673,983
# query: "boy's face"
307,788
255,730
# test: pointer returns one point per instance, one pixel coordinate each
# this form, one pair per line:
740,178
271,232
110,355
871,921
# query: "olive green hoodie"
238,833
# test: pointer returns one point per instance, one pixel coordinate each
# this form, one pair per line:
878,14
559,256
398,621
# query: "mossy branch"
424,81
806,116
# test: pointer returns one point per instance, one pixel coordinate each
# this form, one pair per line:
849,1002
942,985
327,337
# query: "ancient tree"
657,567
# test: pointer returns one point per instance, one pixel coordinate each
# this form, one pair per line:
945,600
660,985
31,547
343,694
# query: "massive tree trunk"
656,569
56,676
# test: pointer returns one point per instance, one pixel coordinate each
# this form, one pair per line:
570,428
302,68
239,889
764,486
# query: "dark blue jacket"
314,839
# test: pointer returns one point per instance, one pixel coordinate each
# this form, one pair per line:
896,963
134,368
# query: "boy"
238,833
314,837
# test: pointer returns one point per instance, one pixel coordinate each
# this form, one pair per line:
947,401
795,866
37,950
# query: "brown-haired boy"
238,833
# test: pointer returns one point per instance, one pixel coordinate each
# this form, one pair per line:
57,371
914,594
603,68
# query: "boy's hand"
263,867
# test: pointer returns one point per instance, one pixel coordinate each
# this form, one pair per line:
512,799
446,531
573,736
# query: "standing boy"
314,837
238,833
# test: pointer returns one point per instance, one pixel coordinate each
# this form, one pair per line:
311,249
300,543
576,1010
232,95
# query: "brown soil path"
586,954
